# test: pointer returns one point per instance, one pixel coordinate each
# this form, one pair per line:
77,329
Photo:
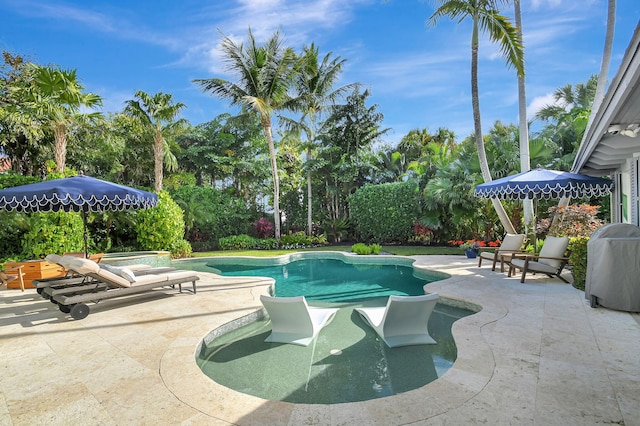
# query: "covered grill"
613,267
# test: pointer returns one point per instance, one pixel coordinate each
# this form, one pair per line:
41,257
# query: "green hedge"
385,213
246,242
578,260
160,227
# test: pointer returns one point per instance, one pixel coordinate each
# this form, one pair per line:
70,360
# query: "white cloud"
540,102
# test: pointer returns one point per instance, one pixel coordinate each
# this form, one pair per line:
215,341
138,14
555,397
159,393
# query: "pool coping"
469,374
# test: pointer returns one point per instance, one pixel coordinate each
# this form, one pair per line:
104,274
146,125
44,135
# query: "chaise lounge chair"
75,282
404,321
293,321
512,243
114,285
551,260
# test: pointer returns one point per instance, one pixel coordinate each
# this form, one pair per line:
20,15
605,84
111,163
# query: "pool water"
328,280
346,363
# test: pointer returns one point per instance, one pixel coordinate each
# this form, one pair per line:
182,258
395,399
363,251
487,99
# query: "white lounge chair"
403,321
293,321
551,260
511,243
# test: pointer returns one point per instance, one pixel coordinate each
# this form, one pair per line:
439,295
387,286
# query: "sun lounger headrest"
125,273
83,266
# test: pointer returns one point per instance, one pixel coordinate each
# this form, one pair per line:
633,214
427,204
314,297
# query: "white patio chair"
293,321
403,321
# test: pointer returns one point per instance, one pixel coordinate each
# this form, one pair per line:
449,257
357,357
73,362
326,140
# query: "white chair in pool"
403,321
293,321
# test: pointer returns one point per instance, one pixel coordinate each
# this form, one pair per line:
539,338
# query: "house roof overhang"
613,134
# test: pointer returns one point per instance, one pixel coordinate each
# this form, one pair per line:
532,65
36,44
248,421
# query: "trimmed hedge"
385,213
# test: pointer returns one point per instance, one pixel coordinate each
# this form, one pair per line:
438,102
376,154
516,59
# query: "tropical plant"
315,92
345,158
361,249
23,129
263,228
158,113
484,15
62,97
265,73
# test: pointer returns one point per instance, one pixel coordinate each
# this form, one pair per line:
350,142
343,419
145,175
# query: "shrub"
266,244
337,229
319,240
578,260
48,233
162,226
376,248
385,213
295,239
12,226
573,221
361,249
263,228
237,242
180,249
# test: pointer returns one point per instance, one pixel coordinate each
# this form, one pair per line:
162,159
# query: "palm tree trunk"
482,155
60,146
158,152
266,124
525,160
309,195
602,81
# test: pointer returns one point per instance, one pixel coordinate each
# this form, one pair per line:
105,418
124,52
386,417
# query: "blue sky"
418,75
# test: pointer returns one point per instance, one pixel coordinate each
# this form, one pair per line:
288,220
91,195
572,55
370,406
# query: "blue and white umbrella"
544,184
75,194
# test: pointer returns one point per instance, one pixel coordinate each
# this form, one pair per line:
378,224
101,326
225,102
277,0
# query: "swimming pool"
347,362
327,277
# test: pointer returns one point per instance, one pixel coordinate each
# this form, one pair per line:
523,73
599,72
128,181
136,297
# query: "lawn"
397,250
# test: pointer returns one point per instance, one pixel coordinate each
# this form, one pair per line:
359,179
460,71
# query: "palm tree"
525,159
485,16
61,98
315,94
265,75
158,113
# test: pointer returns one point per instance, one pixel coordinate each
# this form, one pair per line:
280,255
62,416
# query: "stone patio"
536,354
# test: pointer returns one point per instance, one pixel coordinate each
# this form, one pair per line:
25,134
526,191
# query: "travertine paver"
535,354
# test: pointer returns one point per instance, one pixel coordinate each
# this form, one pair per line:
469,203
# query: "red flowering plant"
421,234
263,228
468,244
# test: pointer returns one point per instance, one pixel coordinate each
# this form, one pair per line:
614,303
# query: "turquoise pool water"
347,362
328,280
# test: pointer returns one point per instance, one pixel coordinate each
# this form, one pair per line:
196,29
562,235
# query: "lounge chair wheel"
40,290
64,308
52,300
594,301
79,311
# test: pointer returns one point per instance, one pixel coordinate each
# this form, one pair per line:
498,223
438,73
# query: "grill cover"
613,267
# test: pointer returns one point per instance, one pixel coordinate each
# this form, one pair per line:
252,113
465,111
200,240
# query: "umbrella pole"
86,235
